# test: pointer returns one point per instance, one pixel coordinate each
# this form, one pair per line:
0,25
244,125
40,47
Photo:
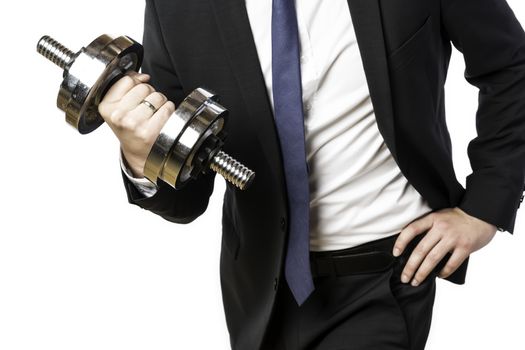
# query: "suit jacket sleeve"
186,204
493,45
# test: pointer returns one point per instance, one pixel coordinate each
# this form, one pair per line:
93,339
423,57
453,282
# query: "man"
385,213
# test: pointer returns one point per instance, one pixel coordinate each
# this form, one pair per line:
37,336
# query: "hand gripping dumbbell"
189,143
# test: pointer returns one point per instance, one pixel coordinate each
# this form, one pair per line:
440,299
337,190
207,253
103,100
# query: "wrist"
135,167
139,174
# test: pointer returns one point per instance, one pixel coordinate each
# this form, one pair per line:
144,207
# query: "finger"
135,96
157,121
124,85
417,256
156,100
139,77
432,259
143,77
456,259
410,231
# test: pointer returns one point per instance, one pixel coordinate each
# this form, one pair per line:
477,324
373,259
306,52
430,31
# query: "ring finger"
135,96
151,104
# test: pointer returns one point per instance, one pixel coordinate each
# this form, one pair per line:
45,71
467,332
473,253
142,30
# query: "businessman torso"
405,46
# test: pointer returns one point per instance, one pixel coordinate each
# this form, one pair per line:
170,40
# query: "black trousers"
372,311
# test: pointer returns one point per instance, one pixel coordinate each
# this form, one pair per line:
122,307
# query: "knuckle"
149,88
450,242
447,270
451,239
160,96
401,240
423,247
143,135
417,253
129,124
127,80
116,117
414,229
410,267
165,110
103,109
142,89
410,230
433,257
170,106
464,244
464,252
442,225
420,276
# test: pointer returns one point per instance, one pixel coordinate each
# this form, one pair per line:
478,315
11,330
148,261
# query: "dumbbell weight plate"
179,165
91,73
198,122
212,121
173,130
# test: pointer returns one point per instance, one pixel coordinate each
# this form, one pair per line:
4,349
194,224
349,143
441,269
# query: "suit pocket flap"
405,53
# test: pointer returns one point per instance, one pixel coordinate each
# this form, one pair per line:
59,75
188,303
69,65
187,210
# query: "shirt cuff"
145,187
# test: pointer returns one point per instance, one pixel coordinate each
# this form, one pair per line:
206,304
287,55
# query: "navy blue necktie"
288,110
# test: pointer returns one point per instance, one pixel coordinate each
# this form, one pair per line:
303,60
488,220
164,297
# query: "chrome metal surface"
54,51
208,120
232,170
190,141
88,74
171,132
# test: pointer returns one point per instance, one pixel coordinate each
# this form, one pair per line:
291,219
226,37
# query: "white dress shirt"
357,191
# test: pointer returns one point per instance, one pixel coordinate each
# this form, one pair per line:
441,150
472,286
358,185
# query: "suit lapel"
236,35
366,17
235,32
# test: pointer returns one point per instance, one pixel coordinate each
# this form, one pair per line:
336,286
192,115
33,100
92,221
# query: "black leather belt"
374,256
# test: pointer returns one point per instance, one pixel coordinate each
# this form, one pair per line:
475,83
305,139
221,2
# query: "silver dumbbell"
189,143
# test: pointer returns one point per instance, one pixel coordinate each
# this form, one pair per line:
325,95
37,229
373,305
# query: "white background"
82,269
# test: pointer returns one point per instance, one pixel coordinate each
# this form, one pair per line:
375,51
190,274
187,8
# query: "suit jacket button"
283,224
275,283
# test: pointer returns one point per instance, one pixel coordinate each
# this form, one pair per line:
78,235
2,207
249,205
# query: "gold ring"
150,105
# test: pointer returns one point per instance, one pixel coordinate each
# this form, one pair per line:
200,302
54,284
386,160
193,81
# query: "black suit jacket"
405,47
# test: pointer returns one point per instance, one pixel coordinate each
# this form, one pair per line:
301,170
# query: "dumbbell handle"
223,164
